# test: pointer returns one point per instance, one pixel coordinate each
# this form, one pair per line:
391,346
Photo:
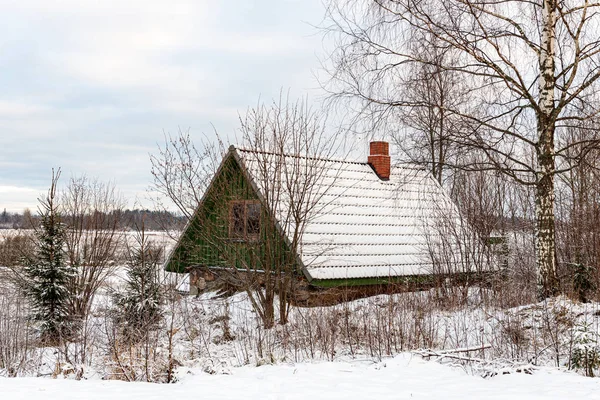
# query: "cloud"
19,198
92,85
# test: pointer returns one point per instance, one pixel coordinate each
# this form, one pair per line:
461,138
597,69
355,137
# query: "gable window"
244,220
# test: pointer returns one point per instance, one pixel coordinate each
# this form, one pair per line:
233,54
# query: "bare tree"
481,198
531,68
426,129
92,213
14,248
182,171
288,145
578,212
258,214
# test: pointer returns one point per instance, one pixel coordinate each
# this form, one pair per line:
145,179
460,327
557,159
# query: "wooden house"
325,223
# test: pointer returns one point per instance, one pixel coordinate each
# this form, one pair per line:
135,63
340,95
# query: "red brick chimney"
379,159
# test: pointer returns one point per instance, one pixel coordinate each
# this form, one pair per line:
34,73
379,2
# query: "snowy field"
221,351
402,377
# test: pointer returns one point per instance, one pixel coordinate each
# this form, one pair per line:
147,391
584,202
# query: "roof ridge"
399,165
316,158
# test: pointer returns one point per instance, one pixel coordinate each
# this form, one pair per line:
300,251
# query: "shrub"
138,305
583,282
585,354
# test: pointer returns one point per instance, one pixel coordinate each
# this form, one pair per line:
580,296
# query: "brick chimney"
379,159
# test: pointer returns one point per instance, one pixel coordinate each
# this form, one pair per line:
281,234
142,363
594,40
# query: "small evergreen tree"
585,354
46,273
583,282
138,308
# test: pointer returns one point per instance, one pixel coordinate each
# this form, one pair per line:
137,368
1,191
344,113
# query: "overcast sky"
90,86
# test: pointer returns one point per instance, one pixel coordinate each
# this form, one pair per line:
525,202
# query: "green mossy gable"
206,242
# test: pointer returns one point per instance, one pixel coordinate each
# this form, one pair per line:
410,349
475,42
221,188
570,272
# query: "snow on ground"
401,377
219,344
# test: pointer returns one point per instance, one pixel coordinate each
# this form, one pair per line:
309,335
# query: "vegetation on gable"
207,240
211,220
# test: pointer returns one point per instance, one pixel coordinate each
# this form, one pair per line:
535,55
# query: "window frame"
245,237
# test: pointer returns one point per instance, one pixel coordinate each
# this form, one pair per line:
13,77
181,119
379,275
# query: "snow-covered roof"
357,225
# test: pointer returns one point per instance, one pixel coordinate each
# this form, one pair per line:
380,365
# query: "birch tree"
531,70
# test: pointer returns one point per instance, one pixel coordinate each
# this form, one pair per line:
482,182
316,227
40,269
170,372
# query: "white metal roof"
360,226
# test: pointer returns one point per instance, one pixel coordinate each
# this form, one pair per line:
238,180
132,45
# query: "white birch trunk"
544,196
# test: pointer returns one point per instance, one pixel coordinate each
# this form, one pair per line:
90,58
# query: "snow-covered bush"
135,329
138,305
583,281
585,354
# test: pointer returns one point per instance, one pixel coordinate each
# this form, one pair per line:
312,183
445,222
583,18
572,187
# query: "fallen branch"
452,353
446,354
464,349
484,368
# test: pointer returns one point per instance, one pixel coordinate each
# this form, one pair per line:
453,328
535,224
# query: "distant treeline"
127,219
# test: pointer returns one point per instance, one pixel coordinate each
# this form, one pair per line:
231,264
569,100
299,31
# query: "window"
252,219
244,220
237,227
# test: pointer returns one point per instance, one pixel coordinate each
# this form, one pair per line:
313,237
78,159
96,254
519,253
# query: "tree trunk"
545,247
545,230
268,319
